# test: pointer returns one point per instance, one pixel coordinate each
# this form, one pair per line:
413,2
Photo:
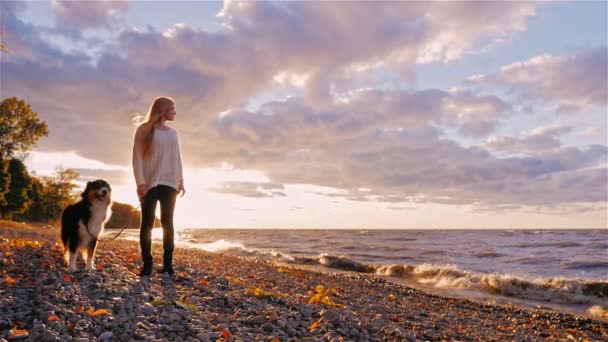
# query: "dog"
83,222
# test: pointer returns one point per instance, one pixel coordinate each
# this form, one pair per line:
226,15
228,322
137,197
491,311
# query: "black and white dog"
82,223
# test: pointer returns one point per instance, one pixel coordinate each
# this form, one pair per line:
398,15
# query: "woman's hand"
142,189
181,188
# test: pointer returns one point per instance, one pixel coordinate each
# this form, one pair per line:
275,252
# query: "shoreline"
215,296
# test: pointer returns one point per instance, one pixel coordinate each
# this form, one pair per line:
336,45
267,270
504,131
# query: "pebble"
145,309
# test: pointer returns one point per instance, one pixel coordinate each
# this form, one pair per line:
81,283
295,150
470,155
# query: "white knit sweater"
162,165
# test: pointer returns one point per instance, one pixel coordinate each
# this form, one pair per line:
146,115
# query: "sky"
345,114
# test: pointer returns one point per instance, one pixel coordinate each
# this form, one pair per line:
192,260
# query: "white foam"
215,246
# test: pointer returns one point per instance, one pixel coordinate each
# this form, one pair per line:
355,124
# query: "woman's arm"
138,162
180,168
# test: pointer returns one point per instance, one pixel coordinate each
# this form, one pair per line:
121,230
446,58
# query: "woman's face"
170,114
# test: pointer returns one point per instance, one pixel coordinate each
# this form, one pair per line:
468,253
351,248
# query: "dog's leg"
72,261
91,254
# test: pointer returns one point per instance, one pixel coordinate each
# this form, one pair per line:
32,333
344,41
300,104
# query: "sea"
565,270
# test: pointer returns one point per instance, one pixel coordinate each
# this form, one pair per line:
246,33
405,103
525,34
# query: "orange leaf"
275,340
90,312
18,332
99,267
313,326
53,318
7,254
67,277
227,335
79,310
100,312
204,282
9,280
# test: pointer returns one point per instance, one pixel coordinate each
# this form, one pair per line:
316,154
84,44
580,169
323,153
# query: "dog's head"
98,190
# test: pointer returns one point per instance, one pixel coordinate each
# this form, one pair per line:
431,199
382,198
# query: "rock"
22,336
331,317
81,339
292,323
257,320
106,335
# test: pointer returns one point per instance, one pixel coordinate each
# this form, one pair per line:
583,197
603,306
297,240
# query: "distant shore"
215,296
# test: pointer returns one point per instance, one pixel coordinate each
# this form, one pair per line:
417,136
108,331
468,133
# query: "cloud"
250,189
402,156
572,82
88,14
114,177
337,133
540,140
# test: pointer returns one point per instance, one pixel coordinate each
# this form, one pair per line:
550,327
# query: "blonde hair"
145,126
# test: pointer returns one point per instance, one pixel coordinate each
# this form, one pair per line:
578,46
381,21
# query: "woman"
157,165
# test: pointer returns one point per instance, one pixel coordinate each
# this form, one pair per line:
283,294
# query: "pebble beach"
217,297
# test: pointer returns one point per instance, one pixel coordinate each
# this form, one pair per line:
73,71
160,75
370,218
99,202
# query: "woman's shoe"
169,270
146,271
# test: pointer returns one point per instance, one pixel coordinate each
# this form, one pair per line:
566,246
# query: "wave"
554,290
487,253
560,244
584,264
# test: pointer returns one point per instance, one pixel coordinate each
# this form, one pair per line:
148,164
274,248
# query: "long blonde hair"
145,128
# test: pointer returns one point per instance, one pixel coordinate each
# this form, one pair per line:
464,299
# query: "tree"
58,192
35,211
3,47
125,215
5,180
17,200
20,128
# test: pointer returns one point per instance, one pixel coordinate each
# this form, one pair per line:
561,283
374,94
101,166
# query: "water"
560,269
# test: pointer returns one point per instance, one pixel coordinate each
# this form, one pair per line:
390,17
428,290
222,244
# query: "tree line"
24,196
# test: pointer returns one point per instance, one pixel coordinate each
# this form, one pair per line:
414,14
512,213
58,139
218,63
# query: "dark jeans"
166,195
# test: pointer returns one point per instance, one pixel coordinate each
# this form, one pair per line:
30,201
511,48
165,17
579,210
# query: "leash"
117,235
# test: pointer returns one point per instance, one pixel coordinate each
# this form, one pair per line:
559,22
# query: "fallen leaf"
158,302
79,310
18,332
184,305
100,312
204,282
275,340
313,326
9,280
67,277
99,267
7,254
227,335
52,318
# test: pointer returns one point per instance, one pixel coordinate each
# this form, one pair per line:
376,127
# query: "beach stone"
331,317
203,337
44,316
257,320
19,337
292,323
81,339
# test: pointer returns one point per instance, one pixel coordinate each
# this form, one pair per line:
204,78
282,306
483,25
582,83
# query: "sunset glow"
330,114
